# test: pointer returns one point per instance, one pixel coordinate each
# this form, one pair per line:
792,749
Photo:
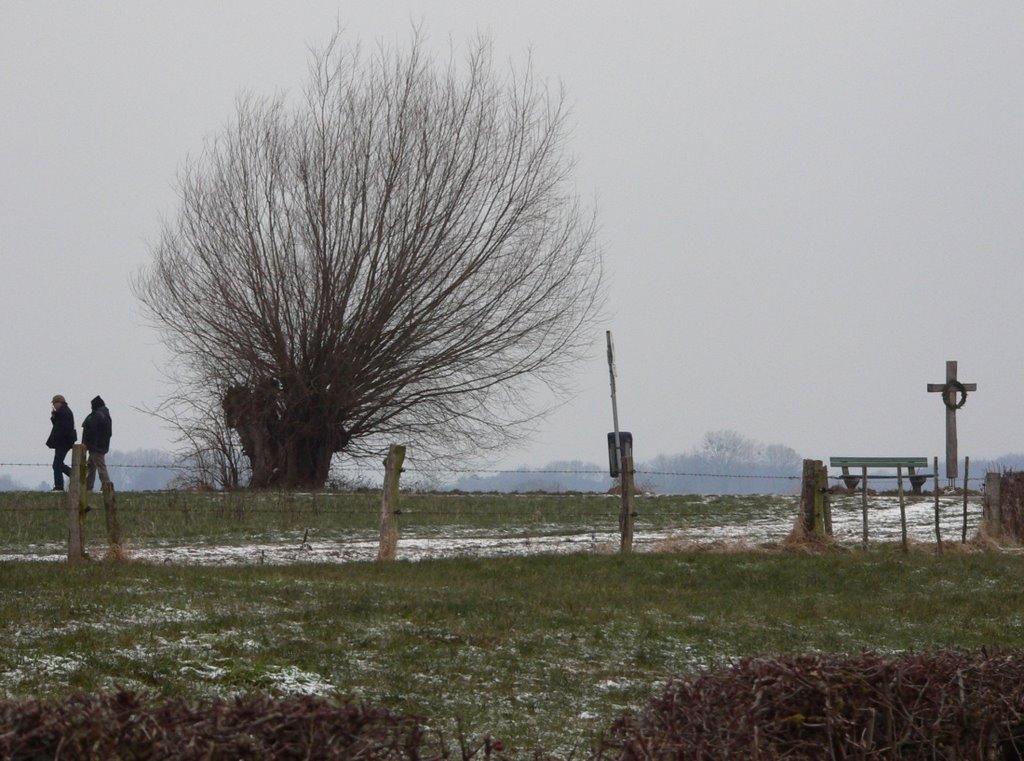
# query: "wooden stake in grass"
814,519
967,469
626,515
864,504
76,504
115,551
903,508
938,531
389,503
992,519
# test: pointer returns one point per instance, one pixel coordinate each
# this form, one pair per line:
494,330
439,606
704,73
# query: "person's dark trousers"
59,468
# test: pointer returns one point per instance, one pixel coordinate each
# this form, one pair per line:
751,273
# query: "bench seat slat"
878,462
890,476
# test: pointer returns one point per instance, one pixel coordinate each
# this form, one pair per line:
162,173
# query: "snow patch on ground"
767,524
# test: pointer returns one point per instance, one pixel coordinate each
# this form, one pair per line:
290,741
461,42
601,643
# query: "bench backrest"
878,462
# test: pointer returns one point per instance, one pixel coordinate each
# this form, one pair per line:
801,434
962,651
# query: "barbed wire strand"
501,471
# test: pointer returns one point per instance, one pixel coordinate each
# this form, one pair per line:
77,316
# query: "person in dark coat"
62,437
96,431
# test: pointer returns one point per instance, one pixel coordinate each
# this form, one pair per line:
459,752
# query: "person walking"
96,431
62,437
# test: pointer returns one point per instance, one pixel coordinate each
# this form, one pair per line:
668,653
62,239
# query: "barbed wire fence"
179,522
598,472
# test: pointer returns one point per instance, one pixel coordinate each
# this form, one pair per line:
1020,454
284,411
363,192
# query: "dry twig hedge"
944,705
126,725
939,706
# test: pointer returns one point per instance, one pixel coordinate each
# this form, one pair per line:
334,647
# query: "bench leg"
916,482
850,481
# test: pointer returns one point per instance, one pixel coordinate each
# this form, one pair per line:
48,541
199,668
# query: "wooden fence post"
76,505
627,514
864,505
826,498
807,484
967,469
992,512
814,517
903,507
938,529
116,551
389,503
821,519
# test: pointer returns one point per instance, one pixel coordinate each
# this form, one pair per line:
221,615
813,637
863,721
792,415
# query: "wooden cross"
954,395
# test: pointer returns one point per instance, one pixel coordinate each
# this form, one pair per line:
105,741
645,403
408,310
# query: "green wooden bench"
917,480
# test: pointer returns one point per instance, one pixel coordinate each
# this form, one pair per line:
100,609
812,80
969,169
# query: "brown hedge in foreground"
945,705
125,725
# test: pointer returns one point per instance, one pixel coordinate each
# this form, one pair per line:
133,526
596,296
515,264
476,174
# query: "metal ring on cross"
948,399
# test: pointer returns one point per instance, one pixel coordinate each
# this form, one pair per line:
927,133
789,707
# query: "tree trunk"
307,463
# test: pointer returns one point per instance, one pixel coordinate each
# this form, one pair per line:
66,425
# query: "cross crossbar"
878,462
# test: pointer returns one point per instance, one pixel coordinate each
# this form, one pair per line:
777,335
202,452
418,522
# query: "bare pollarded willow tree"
399,256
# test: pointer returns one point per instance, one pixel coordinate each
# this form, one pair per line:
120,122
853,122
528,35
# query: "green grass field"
343,526
538,650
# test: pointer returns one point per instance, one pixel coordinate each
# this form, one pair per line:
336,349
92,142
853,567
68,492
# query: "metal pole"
615,404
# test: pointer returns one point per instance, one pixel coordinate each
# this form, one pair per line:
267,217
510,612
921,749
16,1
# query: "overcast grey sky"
806,207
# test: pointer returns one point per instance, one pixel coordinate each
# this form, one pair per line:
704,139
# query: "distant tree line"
558,476
726,463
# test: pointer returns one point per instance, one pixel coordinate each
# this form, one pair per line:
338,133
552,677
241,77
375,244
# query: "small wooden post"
116,551
807,504
826,498
864,502
967,469
993,519
76,505
627,514
821,507
903,507
389,503
814,517
938,532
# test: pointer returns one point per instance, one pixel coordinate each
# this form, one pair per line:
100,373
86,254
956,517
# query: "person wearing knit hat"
62,437
96,430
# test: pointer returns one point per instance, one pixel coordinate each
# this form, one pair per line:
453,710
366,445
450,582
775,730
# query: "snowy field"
661,525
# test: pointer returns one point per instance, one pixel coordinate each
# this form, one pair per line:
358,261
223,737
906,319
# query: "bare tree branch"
400,256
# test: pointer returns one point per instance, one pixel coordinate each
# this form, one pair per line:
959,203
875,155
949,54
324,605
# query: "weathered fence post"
938,531
822,508
826,498
805,515
389,503
627,514
992,518
864,503
967,469
116,551
814,518
903,507
76,505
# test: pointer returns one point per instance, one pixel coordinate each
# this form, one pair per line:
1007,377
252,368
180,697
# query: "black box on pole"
626,439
